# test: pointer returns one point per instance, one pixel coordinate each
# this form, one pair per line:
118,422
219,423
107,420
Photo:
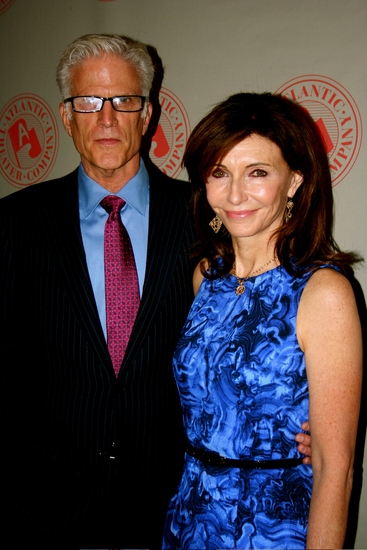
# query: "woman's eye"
218,173
258,173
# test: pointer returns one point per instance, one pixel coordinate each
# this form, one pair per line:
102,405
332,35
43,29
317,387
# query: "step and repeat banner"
313,52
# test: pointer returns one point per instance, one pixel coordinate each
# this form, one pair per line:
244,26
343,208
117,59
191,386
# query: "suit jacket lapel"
62,230
163,248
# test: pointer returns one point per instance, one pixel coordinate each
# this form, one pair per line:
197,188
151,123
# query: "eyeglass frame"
110,99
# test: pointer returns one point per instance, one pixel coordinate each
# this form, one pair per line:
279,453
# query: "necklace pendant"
240,289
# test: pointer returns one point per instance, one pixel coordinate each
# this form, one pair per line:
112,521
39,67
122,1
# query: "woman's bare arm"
329,332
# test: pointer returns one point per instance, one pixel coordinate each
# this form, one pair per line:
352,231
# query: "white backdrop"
210,49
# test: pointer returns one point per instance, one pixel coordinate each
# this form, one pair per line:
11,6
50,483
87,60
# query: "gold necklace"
241,280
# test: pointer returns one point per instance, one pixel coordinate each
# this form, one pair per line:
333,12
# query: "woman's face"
249,188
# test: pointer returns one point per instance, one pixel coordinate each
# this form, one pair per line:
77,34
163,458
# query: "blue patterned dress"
243,387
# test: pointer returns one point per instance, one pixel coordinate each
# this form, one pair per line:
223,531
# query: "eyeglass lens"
87,104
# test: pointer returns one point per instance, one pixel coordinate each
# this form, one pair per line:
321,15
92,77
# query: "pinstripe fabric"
62,406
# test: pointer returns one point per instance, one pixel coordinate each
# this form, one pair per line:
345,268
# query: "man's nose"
107,115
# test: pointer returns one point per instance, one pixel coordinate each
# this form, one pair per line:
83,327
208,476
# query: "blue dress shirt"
135,217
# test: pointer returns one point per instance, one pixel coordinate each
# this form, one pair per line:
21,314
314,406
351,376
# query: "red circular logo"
335,113
5,4
171,135
28,140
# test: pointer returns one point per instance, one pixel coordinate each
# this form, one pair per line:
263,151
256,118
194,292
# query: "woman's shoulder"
327,302
328,283
327,295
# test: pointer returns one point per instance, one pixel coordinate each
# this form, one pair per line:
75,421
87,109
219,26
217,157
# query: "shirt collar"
135,192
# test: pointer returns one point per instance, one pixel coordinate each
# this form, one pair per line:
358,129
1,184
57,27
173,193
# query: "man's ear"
147,118
64,114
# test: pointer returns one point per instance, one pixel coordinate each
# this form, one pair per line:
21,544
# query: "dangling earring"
216,224
288,210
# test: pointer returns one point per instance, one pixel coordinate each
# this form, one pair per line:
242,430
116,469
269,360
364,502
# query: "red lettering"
347,144
345,120
341,154
5,163
171,111
304,92
347,133
315,91
336,103
35,173
327,90
163,102
335,166
33,107
170,165
291,94
15,111
42,164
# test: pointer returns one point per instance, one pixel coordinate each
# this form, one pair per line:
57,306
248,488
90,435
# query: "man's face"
108,141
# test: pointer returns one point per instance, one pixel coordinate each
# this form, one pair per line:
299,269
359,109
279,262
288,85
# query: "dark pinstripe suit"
63,411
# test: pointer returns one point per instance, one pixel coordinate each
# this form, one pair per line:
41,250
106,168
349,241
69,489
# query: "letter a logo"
28,140
162,147
20,136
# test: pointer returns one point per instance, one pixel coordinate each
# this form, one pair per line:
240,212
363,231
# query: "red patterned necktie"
121,282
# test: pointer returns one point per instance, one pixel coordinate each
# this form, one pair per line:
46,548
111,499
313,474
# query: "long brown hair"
307,237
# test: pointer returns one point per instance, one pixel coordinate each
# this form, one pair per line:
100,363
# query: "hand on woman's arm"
305,445
328,329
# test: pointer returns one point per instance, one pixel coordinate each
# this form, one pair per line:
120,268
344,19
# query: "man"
91,454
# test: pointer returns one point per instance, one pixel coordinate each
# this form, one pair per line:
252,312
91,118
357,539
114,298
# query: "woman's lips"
239,214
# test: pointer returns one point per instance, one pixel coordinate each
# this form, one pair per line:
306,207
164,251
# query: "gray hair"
93,45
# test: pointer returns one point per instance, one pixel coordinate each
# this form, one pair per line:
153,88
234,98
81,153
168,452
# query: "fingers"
304,440
306,426
305,449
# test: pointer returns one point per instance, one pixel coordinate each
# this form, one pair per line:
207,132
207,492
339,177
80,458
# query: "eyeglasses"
93,104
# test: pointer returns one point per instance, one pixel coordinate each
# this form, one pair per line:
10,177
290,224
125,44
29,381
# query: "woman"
273,337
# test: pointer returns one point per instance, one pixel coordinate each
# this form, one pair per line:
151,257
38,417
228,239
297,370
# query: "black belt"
217,460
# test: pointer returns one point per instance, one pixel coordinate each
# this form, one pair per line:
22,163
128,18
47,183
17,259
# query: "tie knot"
112,203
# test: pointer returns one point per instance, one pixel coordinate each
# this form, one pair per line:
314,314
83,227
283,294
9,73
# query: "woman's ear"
297,180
